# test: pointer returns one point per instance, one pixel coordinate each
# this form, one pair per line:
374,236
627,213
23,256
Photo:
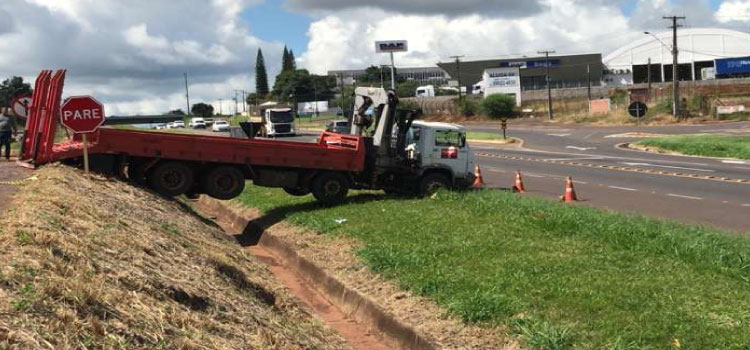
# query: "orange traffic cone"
570,192
478,180
518,187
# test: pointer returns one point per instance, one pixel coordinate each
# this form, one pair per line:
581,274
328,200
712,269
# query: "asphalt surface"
711,192
704,191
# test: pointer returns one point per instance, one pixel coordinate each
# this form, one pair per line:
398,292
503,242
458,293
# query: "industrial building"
566,71
699,49
423,75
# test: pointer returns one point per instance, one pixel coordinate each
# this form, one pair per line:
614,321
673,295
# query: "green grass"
704,145
486,136
558,276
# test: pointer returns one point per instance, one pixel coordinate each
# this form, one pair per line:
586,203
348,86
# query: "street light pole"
458,75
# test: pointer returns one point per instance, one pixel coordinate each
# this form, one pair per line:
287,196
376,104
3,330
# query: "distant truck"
425,91
277,122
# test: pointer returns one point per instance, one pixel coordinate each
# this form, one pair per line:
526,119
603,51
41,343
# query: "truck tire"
171,179
224,182
297,192
432,183
330,188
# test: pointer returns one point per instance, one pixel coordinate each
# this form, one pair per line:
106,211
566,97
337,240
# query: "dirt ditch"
325,273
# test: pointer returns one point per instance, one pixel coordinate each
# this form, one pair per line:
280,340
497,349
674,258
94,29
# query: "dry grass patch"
92,263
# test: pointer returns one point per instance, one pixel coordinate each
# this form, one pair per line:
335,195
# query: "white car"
220,125
197,123
177,124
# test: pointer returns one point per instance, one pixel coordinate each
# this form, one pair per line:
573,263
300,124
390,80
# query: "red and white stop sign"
82,114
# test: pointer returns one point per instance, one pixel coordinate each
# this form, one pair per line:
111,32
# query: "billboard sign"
505,80
731,66
391,46
530,64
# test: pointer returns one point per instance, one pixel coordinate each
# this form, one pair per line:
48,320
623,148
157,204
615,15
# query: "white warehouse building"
699,48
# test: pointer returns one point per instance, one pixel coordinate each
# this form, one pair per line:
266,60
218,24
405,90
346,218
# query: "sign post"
391,47
82,115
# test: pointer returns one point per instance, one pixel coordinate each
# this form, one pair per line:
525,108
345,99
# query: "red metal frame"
331,152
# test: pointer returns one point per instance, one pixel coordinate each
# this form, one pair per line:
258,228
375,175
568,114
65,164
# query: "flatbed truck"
176,164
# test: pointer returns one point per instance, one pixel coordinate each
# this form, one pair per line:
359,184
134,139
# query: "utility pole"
549,86
588,79
675,78
187,95
458,75
393,73
649,77
221,107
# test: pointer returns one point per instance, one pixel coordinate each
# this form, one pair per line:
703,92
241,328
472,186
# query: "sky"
133,54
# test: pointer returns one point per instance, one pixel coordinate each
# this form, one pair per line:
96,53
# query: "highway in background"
712,192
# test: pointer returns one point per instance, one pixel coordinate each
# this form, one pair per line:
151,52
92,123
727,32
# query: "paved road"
697,190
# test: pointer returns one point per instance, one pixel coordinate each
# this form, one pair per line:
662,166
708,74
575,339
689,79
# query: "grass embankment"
91,263
702,145
559,276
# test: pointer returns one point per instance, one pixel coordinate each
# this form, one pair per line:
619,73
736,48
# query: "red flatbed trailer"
210,164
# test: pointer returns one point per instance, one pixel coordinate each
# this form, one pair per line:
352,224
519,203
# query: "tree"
202,110
261,76
292,60
254,99
301,86
176,112
12,87
286,61
499,106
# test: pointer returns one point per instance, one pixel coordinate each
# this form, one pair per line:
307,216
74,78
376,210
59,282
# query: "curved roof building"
699,48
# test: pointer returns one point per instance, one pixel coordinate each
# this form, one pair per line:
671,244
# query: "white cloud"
346,39
131,54
733,10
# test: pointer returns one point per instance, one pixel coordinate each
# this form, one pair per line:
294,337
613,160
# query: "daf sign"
392,46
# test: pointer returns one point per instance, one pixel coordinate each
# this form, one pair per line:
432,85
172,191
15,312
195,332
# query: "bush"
466,107
499,106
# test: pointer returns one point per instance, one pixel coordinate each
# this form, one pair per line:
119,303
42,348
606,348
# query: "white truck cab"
277,122
441,147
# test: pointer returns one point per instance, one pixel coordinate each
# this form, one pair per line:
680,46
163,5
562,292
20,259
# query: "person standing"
7,130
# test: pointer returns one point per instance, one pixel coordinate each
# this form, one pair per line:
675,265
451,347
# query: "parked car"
339,126
177,125
220,126
197,123
161,126
209,121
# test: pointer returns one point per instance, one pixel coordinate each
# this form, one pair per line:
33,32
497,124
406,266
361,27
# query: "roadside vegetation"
556,276
93,263
701,145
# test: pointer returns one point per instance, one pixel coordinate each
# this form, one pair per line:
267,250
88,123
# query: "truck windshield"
282,117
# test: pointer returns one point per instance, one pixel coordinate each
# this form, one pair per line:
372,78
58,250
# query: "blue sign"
531,64
731,66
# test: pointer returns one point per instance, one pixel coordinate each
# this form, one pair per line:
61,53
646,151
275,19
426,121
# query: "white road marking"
623,188
746,205
532,175
529,150
734,162
567,159
742,168
559,135
668,167
580,148
685,197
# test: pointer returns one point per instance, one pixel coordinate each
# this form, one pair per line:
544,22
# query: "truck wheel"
171,178
224,182
330,188
297,192
433,183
